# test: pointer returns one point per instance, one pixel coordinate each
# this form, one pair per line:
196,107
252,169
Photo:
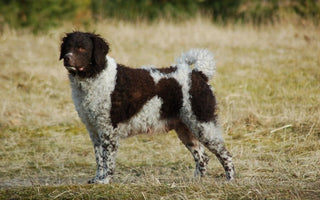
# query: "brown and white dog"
116,101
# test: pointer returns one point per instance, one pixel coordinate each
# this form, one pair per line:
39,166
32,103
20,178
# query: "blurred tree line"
43,14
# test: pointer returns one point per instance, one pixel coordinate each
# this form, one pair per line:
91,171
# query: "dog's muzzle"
69,63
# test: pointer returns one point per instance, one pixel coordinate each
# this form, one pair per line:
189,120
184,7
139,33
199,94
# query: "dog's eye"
81,49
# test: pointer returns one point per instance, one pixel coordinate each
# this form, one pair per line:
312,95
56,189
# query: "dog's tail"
202,59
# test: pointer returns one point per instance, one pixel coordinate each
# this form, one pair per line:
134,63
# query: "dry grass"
268,90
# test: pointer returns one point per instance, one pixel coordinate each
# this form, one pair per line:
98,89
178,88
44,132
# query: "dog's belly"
147,120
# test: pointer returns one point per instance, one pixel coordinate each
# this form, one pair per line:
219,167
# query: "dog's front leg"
105,152
109,148
98,151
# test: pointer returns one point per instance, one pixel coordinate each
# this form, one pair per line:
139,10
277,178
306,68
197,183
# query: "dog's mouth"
74,69
71,66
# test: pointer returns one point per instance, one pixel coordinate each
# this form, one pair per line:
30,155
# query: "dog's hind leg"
210,136
194,146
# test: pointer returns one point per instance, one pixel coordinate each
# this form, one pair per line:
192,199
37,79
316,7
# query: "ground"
267,86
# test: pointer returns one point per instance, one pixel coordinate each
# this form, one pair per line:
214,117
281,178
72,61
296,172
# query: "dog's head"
84,54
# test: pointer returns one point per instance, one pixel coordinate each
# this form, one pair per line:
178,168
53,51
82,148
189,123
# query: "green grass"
267,85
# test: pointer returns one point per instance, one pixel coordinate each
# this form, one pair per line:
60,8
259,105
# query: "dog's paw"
92,181
99,180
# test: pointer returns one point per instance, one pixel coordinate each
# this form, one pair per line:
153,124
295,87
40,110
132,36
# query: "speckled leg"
195,147
215,144
210,135
110,148
105,153
100,166
98,151
225,158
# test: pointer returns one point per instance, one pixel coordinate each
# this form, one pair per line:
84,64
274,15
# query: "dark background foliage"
44,14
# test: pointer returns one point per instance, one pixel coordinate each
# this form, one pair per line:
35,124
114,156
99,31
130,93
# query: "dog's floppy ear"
63,48
100,50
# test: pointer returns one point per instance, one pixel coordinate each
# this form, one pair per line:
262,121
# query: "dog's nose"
66,58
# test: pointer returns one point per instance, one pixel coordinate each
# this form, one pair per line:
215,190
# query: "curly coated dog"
116,101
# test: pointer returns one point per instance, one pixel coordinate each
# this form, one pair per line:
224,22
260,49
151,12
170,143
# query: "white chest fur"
92,96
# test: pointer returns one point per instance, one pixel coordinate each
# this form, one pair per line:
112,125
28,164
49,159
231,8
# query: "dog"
115,101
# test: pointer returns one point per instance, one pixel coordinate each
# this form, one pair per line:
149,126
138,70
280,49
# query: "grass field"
267,85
